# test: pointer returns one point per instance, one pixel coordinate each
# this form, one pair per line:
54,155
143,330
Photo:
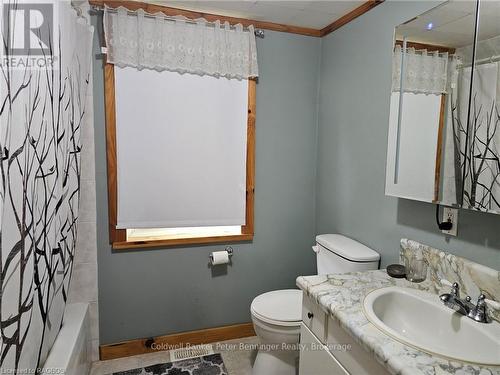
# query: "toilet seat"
279,307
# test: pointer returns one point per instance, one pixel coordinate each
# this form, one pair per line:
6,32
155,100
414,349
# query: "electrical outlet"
451,214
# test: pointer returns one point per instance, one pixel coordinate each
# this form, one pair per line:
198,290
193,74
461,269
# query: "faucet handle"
481,305
481,300
479,313
488,302
455,289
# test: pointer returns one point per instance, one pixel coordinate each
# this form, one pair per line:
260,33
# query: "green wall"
352,135
153,292
320,168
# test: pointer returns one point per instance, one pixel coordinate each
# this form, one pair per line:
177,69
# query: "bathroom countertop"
341,297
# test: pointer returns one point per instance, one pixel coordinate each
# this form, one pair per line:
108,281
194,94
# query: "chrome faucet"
453,301
478,312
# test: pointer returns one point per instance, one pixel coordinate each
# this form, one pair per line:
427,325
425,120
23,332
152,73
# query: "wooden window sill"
123,245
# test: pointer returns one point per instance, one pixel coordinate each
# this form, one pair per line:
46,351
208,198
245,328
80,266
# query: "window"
178,173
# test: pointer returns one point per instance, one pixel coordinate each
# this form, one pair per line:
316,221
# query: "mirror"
482,156
431,82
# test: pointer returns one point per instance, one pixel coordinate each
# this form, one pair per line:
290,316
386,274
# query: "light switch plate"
450,214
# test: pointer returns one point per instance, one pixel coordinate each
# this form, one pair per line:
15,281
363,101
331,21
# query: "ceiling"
310,14
453,24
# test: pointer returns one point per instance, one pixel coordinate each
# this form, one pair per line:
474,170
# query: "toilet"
277,315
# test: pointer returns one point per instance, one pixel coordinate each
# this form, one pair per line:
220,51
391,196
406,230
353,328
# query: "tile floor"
238,356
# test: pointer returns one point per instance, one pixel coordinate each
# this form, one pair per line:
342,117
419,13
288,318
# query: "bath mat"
206,365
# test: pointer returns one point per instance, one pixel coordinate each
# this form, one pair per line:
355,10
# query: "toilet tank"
339,254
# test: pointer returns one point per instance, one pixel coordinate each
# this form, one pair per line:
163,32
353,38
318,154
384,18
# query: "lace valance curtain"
425,72
158,42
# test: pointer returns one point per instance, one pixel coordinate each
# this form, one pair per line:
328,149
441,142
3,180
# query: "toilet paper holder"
229,250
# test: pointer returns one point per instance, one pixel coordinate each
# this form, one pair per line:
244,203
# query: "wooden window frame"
118,237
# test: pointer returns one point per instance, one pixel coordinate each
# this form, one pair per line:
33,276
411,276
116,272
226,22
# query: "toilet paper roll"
219,257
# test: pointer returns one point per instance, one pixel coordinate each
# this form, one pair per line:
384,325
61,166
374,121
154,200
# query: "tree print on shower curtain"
42,110
482,156
475,144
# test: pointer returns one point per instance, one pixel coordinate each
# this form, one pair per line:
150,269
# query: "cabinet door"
355,359
315,359
314,318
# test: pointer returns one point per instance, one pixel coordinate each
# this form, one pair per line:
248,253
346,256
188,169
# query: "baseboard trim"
176,340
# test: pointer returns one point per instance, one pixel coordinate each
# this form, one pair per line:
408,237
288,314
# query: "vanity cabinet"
326,348
315,358
350,354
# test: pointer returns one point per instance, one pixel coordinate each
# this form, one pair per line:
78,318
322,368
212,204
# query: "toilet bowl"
277,315
276,318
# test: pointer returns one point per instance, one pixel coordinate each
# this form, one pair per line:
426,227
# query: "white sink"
419,319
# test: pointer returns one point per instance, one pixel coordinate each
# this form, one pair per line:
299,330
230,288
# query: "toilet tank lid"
347,248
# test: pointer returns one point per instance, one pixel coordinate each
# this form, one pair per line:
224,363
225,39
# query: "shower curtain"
43,90
473,146
482,166
478,152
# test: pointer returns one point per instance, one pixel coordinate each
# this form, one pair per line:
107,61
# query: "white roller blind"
181,149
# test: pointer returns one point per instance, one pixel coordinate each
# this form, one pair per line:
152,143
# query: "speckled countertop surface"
341,296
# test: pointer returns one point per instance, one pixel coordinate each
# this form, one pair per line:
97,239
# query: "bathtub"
70,353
